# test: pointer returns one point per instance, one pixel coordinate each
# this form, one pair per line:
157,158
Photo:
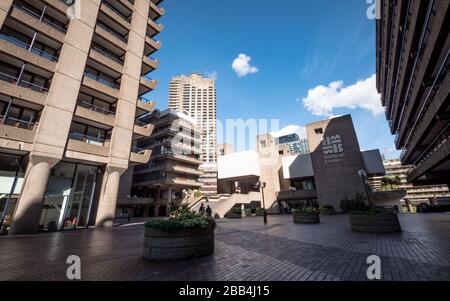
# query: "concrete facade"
413,63
172,174
77,90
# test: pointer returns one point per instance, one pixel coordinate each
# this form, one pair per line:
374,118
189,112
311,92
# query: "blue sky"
296,45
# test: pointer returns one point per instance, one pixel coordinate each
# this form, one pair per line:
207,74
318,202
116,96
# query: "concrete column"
408,205
28,210
5,6
108,197
169,201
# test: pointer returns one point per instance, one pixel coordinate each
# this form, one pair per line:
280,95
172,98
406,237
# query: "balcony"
144,106
9,86
17,130
89,145
153,28
22,83
101,85
143,130
140,156
156,12
151,46
33,20
149,64
147,84
111,36
115,15
96,115
24,52
106,59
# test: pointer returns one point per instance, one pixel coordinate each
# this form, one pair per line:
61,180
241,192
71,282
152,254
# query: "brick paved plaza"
245,250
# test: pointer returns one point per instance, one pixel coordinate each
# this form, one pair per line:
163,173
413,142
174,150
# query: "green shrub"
236,210
326,207
179,220
356,204
311,210
373,211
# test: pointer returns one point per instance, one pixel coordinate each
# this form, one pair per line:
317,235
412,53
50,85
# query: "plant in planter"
260,212
183,235
327,210
368,219
234,212
306,215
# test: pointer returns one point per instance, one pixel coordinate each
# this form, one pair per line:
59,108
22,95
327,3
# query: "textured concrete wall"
336,173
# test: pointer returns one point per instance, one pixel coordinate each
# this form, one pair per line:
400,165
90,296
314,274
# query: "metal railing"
22,83
87,139
117,35
147,77
40,18
101,80
115,10
28,47
23,124
108,55
95,108
137,150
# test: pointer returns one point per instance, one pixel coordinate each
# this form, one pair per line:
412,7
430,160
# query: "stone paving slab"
246,250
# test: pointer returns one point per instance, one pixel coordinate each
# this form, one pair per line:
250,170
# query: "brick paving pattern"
245,250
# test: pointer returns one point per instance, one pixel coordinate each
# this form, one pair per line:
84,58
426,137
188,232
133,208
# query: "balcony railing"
87,139
137,150
24,45
108,55
115,10
22,83
147,77
145,100
101,80
23,124
40,18
117,35
95,108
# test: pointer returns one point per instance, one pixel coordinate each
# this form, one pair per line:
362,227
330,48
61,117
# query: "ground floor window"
12,172
69,197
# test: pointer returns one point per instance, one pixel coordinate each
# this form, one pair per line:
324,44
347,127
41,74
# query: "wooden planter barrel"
306,218
183,244
327,211
376,223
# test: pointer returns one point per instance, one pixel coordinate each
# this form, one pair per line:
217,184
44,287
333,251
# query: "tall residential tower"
195,95
70,95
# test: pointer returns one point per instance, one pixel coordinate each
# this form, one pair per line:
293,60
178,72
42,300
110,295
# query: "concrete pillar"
157,201
28,210
169,201
5,6
408,205
108,197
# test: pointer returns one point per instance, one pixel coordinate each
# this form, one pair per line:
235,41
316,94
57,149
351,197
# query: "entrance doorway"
69,197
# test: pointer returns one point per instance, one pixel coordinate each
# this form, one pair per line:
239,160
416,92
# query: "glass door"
78,208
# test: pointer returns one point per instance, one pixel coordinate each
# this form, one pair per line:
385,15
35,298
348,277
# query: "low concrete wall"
378,223
306,218
389,198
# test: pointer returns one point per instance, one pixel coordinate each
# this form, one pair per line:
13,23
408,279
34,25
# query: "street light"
261,185
363,175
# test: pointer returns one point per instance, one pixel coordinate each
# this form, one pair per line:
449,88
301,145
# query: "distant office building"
195,95
295,144
70,98
413,61
172,173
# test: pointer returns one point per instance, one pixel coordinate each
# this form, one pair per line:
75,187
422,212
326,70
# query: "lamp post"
363,175
261,185
130,198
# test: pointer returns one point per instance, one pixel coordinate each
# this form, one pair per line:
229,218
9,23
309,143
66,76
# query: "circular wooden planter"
306,218
377,223
188,243
327,211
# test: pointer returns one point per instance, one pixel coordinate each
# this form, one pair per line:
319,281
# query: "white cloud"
290,129
323,100
213,75
241,65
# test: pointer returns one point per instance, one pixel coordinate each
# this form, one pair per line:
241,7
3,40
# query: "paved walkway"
245,250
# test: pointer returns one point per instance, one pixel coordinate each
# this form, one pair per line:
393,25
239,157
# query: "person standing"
202,209
208,211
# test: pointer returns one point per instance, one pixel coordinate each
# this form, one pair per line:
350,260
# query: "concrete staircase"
221,204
